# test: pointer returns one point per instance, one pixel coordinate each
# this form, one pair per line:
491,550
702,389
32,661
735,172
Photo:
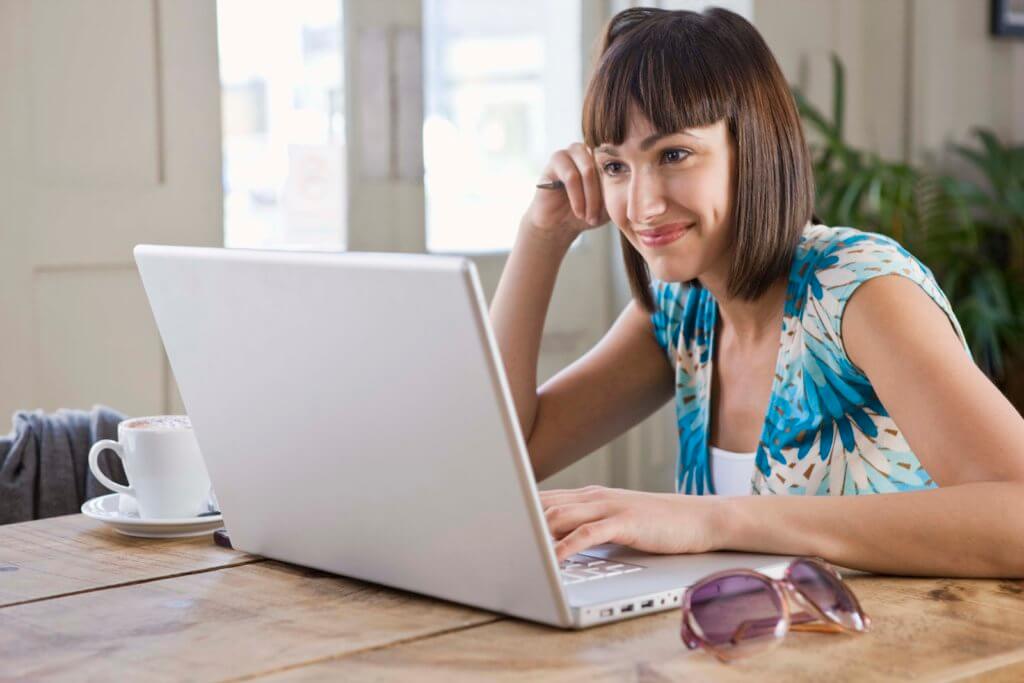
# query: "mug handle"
94,465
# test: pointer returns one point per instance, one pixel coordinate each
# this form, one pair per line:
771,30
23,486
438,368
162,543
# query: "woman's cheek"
688,192
615,204
716,188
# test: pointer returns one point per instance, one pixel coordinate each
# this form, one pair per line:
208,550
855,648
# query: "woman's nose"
646,199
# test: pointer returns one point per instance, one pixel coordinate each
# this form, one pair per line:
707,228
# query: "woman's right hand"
577,207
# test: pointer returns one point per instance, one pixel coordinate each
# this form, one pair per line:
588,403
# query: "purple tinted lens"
735,608
828,593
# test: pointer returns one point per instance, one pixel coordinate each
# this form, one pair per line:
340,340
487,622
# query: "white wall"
920,73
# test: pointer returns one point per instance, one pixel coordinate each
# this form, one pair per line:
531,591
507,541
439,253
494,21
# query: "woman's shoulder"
828,247
837,260
833,262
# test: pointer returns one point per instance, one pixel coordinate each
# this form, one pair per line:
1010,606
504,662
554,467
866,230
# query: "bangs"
667,71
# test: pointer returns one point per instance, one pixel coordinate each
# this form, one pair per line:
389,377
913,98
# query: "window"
503,91
282,97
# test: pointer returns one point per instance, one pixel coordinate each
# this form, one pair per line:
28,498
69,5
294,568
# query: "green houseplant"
970,234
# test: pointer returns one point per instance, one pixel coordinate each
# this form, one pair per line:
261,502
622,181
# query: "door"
110,136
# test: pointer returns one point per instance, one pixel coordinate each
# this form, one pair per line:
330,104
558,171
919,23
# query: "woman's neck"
748,322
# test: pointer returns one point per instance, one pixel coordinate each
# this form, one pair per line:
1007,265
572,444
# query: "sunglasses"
740,612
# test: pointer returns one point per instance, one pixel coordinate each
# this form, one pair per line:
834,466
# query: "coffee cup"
166,472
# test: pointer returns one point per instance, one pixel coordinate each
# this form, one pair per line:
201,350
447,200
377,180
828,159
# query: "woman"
817,362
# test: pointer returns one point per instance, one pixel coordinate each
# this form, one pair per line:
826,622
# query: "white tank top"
731,472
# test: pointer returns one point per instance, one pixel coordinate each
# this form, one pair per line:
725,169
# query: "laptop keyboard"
580,567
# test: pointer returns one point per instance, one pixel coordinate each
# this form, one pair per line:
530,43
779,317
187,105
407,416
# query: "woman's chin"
669,265
668,273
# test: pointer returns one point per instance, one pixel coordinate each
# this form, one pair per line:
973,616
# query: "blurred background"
420,126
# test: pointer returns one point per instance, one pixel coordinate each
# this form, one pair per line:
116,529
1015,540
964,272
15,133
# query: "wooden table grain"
65,555
80,602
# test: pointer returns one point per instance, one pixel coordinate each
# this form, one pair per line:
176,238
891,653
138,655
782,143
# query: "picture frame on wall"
1008,18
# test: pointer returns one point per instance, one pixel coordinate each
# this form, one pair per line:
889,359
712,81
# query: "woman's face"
671,196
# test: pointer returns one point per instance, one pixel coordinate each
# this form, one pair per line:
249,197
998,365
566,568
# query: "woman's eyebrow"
647,142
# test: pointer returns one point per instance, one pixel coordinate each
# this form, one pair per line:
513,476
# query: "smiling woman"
809,364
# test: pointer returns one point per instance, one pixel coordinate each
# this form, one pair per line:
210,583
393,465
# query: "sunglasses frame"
785,590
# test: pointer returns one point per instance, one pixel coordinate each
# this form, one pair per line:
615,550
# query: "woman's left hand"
666,523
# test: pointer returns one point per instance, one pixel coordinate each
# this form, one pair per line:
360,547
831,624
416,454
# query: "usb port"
626,608
647,603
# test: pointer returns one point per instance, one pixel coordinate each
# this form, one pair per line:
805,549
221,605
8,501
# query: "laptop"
354,416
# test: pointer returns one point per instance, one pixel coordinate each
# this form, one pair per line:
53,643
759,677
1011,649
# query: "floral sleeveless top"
825,432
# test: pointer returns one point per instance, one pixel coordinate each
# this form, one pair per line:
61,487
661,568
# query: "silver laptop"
354,417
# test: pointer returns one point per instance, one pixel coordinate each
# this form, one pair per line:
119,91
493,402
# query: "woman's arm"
553,220
972,529
964,432
579,407
519,308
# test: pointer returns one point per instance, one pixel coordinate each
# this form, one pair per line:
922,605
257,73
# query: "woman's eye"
674,156
613,168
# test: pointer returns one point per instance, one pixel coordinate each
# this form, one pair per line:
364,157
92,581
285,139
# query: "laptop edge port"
647,604
626,608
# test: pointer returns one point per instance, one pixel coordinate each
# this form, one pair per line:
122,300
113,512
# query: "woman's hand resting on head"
667,523
580,206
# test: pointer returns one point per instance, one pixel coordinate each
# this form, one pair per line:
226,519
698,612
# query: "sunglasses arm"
801,621
819,627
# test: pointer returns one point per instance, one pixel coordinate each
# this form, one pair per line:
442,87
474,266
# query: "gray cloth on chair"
44,462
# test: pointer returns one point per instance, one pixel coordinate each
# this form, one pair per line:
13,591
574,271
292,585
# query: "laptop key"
575,574
580,568
589,561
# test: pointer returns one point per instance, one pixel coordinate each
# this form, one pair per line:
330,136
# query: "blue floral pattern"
825,432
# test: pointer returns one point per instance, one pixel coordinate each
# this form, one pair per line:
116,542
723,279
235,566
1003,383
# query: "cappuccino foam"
161,423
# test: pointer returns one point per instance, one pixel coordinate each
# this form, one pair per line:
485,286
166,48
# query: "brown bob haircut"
685,69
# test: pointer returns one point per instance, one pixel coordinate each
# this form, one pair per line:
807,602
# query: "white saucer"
122,515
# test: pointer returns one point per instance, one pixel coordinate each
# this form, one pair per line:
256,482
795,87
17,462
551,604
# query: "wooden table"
80,602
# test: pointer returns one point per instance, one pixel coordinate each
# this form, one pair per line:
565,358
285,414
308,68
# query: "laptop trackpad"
619,553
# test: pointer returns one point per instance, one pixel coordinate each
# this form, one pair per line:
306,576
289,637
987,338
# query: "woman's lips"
663,235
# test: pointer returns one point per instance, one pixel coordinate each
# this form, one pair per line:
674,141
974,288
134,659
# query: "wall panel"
96,341
79,48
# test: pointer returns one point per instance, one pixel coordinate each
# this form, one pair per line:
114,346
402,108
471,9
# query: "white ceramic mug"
166,472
